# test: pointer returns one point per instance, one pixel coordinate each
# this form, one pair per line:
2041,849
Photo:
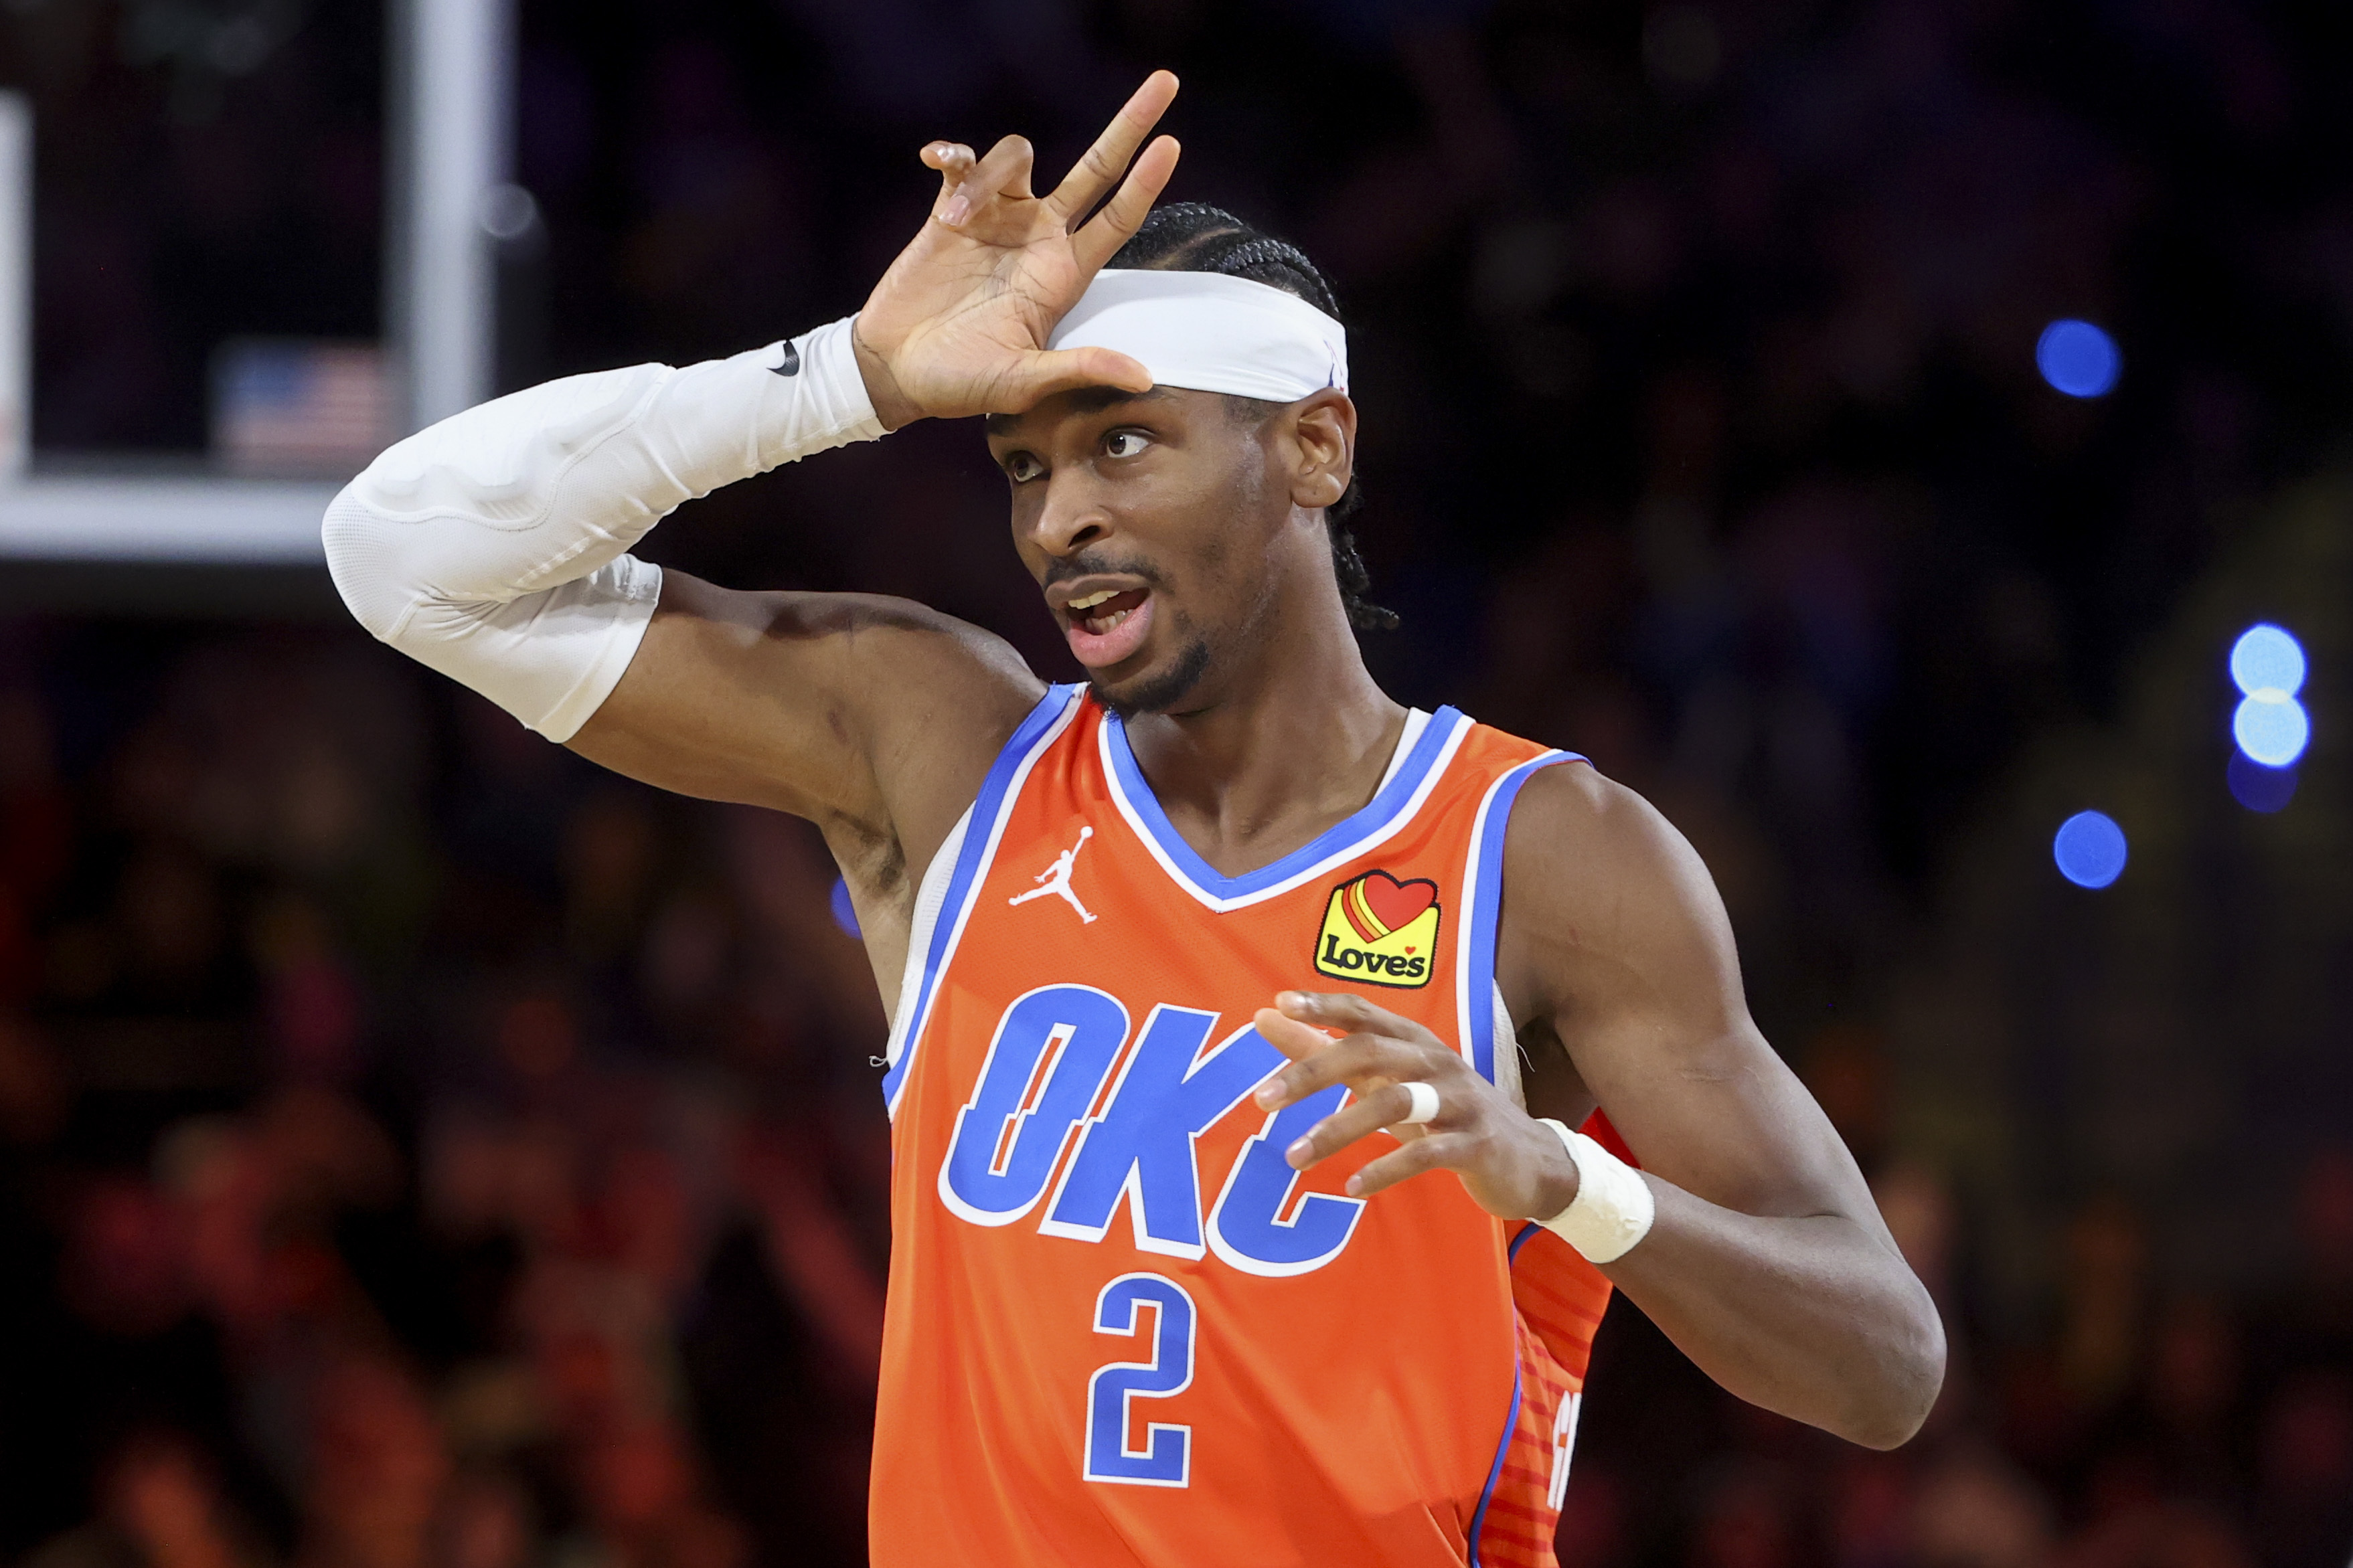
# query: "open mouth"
1102,613
1108,624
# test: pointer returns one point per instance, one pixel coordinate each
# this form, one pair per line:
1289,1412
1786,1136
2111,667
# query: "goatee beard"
1159,693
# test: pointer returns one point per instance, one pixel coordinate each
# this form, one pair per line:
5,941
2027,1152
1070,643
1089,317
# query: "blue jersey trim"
1496,1471
1385,806
988,812
1486,901
1527,1234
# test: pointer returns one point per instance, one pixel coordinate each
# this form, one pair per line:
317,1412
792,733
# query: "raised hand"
958,324
1511,1167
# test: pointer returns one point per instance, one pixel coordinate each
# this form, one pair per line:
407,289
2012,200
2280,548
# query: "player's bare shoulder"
1578,832
1600,890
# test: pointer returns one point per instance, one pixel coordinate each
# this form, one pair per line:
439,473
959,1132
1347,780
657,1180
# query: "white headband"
1210,333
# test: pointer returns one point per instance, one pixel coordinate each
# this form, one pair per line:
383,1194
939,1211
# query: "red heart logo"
1394,904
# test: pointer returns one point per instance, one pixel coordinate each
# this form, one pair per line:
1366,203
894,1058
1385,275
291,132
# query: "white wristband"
1613,1209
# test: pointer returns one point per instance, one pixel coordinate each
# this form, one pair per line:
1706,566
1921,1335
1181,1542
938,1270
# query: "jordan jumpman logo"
1056,880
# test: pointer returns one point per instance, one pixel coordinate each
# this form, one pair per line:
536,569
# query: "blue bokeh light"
2272,727
2267,657
2078,359
2090,850
844,914
2257,787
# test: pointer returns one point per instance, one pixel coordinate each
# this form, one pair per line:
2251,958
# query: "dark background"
421,1148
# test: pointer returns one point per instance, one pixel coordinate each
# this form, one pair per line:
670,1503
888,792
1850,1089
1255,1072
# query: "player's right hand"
1511,1164
958,324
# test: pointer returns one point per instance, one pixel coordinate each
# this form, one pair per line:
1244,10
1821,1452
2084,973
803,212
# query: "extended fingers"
1125,212
1096,171
1318,1061
1386,1107
1294,1039
1439,1152
1349,1014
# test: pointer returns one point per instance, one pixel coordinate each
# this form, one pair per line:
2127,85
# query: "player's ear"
1321,448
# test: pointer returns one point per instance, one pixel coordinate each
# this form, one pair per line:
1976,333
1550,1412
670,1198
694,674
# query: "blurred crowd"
2144,1423
422,1149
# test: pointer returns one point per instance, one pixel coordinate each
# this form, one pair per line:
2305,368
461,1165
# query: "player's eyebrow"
1085,400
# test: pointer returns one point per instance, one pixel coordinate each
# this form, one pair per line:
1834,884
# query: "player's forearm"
492,546
1812,1317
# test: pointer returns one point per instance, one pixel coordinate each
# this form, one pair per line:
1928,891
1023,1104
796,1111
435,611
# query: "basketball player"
1241,1017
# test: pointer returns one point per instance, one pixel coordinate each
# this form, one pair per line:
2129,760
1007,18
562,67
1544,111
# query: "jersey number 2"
1166,1457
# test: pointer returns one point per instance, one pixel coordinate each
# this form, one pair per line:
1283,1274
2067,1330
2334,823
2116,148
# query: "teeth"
1091,600
1099,624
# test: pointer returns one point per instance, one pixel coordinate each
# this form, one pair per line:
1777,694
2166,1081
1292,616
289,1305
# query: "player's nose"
1073,516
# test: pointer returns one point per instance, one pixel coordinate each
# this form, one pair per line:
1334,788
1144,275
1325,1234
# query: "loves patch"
1380,930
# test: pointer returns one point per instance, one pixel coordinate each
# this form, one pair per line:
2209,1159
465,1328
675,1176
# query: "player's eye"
1022,466
1126,443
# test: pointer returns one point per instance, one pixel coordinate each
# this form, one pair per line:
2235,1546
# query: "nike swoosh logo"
792,365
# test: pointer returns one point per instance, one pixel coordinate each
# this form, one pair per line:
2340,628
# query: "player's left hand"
960,323
1513,1167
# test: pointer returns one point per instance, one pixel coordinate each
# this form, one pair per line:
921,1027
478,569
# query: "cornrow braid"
1267,252
1193,236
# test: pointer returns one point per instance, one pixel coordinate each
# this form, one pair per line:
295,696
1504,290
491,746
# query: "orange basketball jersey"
1121,1329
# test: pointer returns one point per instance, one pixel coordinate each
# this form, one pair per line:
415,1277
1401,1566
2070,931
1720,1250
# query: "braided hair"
1193,236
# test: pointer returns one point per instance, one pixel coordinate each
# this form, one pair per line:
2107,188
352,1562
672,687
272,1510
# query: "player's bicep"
1723,1118
801,701
1633,954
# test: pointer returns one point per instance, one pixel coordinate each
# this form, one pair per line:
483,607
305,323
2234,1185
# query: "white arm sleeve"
490,546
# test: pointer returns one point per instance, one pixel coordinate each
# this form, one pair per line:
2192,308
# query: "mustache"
1087,562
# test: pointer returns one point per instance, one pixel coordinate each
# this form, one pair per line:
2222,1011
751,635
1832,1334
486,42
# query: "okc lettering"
1052,1052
